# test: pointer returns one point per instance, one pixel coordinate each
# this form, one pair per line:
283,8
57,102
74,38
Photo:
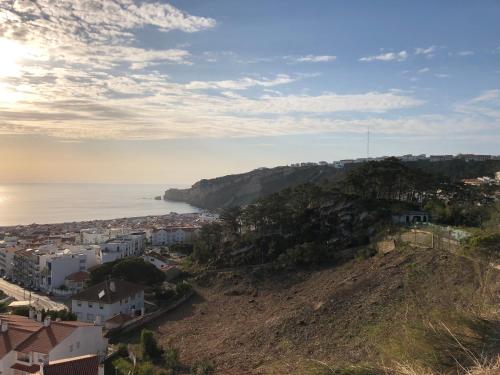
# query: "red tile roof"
45,339
31,369
78,277
84,365
10,339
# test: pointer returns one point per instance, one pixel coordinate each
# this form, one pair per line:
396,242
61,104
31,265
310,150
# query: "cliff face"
244,188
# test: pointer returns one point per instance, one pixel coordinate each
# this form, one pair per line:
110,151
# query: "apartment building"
173,235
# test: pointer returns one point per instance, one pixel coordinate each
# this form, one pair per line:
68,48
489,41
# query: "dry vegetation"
413,311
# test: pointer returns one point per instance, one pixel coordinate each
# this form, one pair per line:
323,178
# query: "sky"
128,91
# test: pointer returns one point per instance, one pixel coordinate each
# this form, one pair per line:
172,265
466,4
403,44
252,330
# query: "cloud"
465,53
428,52
389,56
442,75
424,70
315,58
371,102
242,83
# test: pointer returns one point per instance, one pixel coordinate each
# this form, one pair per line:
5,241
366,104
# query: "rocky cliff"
241,189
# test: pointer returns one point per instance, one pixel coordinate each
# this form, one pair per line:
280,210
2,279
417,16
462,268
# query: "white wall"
108,310
83,341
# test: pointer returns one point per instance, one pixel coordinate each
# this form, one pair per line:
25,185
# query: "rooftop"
102,292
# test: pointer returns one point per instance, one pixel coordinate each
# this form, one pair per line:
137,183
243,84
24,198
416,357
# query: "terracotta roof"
46,338
123,289
10,339
31,369
21,322
84,365
78,277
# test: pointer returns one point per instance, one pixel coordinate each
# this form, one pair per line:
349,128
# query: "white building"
7,260
132,244
32,343
107,299
56,267
170,236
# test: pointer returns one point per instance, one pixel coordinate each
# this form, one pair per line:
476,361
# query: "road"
37,300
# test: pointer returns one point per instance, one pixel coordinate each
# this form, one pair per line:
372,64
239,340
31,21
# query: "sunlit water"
57,203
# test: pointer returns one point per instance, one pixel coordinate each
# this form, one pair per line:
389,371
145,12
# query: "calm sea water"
57,203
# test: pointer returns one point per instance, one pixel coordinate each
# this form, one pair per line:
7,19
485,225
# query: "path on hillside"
37,300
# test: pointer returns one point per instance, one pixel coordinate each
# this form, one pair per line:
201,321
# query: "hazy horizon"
131,91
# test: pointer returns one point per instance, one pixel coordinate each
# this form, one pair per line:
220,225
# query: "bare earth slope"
251,323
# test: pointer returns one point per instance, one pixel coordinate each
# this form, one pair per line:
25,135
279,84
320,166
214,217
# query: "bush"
171,358
202,368
122,350
122,366
59,314
183,289
149,347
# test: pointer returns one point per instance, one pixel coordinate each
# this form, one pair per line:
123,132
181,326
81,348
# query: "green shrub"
149,347
203,367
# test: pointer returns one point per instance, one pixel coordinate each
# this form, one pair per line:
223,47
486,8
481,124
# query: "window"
71,348
23,357
101,306
79,303
90,305
78,344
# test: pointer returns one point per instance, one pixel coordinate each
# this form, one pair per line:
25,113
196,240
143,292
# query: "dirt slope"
251,323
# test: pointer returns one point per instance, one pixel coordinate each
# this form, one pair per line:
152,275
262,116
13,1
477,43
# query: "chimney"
112,286
32,314
43,362
5,327
39,316
46,322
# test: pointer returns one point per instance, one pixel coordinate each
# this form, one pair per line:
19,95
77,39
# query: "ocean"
57,203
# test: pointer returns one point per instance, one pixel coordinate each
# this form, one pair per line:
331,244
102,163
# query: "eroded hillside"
369,311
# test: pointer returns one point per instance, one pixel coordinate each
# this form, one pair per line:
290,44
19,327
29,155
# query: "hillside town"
53,258
51,265
404,158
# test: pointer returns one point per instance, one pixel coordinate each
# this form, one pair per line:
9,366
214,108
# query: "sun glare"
12,55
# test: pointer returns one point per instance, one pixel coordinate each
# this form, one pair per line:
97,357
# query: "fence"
143,320
434,237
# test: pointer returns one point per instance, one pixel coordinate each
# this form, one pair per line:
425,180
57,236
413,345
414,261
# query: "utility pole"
368,142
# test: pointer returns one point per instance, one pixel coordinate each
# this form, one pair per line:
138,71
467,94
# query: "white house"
107,299
26,343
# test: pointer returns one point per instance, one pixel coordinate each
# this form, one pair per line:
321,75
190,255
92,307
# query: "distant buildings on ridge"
405,158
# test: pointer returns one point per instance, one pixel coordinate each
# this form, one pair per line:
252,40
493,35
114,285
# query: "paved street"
37,300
